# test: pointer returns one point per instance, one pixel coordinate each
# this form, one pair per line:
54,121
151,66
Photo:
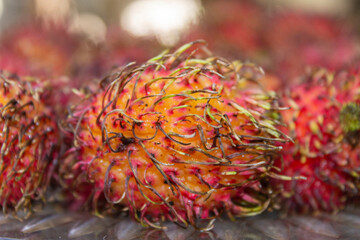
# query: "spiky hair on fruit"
28,143
324,123
183,137
49,54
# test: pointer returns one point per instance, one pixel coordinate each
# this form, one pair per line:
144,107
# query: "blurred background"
84,39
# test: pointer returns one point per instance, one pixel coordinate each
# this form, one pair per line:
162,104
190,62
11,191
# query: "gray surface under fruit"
50,225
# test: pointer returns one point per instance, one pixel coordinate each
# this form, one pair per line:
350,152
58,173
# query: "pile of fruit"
186,136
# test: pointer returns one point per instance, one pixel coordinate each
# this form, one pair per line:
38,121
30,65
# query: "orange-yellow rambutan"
182,137
28,143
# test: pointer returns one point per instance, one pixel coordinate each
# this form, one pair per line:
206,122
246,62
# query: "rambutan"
181,137
42,51
324,123
28,143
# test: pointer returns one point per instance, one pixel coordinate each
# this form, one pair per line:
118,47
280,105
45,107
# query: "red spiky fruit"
28,143
178,138
45,53
324,123
42,51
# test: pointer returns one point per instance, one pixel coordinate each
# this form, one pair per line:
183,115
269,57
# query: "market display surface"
49,225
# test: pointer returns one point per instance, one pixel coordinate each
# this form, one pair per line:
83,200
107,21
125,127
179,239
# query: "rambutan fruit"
324,124
181,138
271,82
59,59
28,143
42,51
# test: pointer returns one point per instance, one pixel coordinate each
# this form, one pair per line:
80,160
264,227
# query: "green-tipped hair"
350,117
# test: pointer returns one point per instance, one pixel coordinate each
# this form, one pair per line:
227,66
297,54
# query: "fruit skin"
29,143
178,138
326,143
49,54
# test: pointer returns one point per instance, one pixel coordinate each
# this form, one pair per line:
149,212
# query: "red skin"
320,152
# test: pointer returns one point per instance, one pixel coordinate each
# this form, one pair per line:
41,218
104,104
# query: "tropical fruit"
28,143
182,137
324,124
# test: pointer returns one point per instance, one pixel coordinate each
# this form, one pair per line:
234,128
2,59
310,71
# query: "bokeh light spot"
164,19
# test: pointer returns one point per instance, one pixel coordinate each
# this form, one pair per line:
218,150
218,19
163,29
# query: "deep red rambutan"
324,122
